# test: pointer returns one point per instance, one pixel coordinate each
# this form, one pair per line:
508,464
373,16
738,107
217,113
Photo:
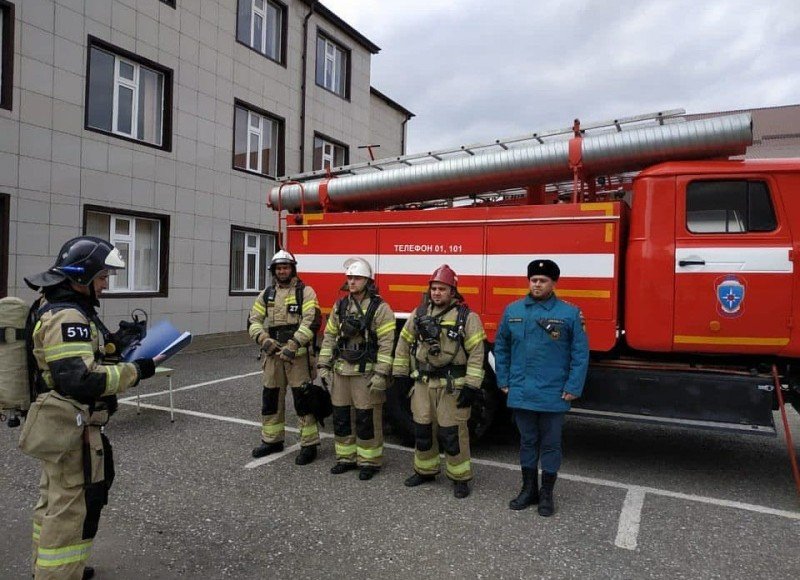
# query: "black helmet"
80,260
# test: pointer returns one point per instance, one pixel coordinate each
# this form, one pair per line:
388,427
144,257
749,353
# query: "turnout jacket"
471,355
265,316
382,325
66,346
541,351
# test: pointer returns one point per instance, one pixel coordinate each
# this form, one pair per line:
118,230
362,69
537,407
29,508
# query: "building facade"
161,125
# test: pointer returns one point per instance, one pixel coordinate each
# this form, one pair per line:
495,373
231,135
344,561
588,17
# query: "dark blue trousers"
540,439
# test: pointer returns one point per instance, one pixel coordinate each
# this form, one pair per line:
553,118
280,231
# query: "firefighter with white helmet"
441,348
79,389
282,322
356,360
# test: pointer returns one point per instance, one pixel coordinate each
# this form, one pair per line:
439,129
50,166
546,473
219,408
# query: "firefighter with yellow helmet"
63,428
356,360
281,322
441,347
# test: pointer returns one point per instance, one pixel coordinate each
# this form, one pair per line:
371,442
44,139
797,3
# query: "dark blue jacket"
541,350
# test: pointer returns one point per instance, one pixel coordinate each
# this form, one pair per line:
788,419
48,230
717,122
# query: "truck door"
733,266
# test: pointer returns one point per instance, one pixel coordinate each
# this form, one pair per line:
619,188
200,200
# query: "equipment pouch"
54,427
95,455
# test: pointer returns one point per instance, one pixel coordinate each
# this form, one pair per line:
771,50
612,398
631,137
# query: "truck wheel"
398,410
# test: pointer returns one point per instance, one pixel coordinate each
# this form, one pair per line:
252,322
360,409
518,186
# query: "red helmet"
445,275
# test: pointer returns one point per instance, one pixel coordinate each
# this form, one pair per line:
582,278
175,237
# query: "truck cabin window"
729,207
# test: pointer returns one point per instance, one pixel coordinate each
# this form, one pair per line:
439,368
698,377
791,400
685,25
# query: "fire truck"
680,257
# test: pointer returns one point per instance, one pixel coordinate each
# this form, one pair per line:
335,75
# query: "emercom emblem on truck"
730,296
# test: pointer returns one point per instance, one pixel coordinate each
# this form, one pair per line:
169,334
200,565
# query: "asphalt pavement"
633,501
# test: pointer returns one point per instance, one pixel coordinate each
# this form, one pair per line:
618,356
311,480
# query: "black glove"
146,367
466,397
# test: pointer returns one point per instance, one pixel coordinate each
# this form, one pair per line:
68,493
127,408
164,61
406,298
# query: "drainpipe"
303,88
403,134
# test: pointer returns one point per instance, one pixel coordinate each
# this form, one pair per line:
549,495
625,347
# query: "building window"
328,153
250,253
258,141
261,25
169,2
128,96
728,207
142,239
6,53
333,64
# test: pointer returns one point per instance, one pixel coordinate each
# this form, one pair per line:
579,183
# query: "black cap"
544,268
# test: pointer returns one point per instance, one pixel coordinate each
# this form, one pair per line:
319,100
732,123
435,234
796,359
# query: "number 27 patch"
75,332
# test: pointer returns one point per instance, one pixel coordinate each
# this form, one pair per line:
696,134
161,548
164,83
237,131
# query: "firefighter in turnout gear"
441,347
64,425
281,322
356,360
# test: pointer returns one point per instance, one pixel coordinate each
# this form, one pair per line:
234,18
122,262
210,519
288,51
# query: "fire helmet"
445,275
357,267
80,260
282,257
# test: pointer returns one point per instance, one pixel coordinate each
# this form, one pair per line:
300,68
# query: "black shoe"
266,448
529,495
546,505
367,472
88,572
418,479
307,455
342,466
460,489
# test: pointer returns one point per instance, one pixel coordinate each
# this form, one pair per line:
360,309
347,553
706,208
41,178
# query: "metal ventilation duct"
629,150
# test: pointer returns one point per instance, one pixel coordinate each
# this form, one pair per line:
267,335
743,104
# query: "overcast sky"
477,70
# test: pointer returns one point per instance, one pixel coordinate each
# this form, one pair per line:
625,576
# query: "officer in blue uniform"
541,358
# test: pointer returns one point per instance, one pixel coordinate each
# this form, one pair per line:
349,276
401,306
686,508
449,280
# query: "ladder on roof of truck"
614,125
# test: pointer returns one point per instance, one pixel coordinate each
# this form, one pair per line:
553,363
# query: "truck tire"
401,421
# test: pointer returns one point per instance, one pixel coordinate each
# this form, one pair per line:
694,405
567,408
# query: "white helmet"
282,257
357,267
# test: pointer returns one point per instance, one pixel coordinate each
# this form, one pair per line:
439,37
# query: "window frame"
162,290
5,222
283,30
334,143
247,230
280,123
7,56
745,220
122,55
329,40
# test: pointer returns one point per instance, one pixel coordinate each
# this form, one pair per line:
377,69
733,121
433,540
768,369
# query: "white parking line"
273,456
630,516
629,519
188,387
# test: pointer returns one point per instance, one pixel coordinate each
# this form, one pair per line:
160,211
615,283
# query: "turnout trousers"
357,421
439,422
67,514
540,439
278,375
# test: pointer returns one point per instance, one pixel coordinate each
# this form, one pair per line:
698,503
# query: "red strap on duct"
576,159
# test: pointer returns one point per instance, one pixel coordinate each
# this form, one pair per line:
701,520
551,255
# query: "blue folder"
162,339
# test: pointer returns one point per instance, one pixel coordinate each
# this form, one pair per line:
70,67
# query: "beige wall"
51,166
386,128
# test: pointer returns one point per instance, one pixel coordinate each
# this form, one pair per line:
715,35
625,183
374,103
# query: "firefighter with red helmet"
441,347
356,360
281,322
79,388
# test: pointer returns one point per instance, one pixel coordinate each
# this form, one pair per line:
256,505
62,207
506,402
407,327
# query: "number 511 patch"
75,332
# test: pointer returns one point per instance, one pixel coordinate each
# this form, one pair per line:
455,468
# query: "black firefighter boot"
546,505
88,572
529,494
266,448
307,455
